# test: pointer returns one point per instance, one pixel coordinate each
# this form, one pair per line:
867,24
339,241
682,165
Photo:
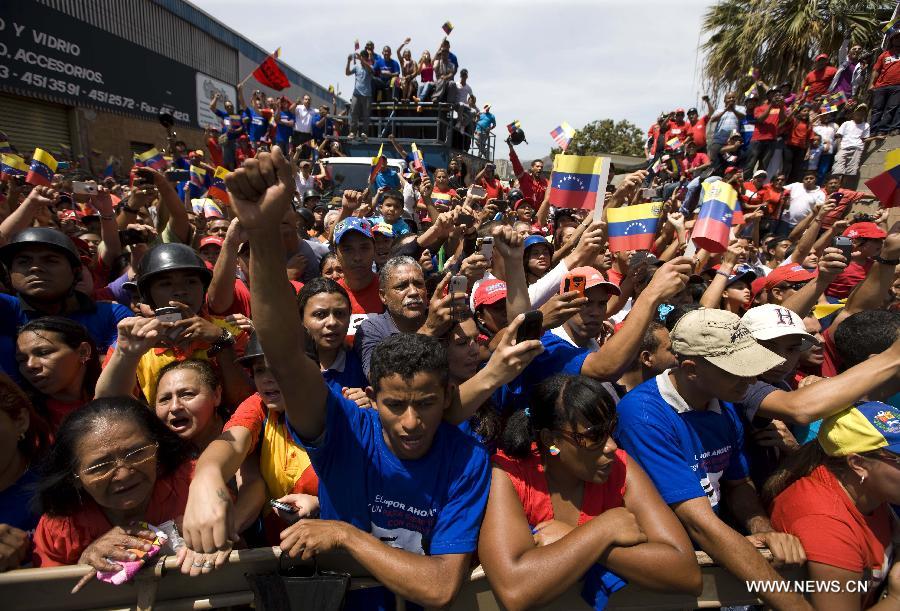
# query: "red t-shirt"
241,302
60,540
801,133
696,161
817,510
58,410
493,187
215,151
531,187
678,130
766,129
818,81
528,478
698,131
888,68
770,196
847,280
832,360
362,303
849,197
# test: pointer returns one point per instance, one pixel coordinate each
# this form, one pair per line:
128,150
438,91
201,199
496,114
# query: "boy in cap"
684,431
355,247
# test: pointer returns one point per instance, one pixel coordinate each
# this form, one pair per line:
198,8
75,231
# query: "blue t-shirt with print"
558,357
429,506
318,133
231,124
385,69
284,132
685,454
258,124
387,178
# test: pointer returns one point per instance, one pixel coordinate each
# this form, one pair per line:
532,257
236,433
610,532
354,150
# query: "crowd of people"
444,365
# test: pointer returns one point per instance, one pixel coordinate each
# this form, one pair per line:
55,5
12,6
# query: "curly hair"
407,354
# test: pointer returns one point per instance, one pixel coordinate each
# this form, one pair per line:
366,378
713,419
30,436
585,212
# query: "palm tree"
781,37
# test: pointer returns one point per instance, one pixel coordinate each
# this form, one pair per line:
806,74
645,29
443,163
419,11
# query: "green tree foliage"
606,136
782,36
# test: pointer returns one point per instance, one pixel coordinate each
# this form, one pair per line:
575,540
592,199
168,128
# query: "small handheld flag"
892,159
270,74
378,163
151,159
633,227
563,135
885,186
110,170
713,227
12,166
217,188
418,161
447,27
43,165
198,182
514,126
575,182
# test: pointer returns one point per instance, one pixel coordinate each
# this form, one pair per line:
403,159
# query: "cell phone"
641,256
845,244
478,191
458,284
575,282
283,506
177,175
84,188
167,314
837,197
649,193
486,247
465,219
130,237
531,327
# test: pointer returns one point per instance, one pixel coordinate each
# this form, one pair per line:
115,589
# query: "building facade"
87,79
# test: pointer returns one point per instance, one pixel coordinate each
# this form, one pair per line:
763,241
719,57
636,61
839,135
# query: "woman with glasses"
566,502
834,494
114,464
59,363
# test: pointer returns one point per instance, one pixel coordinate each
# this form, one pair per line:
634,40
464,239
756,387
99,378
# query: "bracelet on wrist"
721,273
883,261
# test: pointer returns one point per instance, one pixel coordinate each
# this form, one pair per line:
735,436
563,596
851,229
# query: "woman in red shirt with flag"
564,498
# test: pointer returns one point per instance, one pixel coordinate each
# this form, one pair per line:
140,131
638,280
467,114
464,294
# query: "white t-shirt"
304,183
464,92
852,134
801,203
826,133
303,118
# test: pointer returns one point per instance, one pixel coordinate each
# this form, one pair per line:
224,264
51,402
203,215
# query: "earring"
862,479
21,436
554,451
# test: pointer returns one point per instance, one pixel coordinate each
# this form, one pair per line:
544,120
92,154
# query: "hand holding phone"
574,282
845,245
532,327
478,191
283,506
84,188
486,247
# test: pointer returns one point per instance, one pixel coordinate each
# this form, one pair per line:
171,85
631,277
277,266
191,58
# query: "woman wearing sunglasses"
114,464
834,494
565,500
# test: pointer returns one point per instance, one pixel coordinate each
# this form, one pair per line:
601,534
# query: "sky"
541,62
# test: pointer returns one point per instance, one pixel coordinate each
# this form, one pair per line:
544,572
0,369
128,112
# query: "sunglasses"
593,438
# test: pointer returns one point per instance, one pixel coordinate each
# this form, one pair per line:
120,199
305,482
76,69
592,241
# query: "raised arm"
136,335
168,197
110,245
831,264
261,192
22,217
213,102
220,294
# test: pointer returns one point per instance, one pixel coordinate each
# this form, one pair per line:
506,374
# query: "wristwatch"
226,340
883,261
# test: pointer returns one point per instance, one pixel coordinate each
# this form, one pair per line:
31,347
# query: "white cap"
759,173
770,321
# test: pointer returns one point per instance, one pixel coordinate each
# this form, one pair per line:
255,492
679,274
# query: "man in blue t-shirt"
400,490
232,128
684,431
386,71
284,126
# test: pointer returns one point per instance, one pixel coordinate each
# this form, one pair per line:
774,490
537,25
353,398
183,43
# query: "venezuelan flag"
378,163
418,161
577,180
440,198
217,188
198,181
713,227
514,126
152,159
43,165
885,186
212,210
633,227
5,146
12,166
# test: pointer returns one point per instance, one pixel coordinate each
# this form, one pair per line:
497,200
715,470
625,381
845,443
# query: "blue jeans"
885,109
425,90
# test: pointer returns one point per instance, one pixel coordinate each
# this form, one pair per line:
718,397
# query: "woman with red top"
60,365
564,498
834,494
113,464
798,141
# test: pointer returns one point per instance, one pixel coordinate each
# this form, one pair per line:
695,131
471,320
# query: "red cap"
211,239
788,273
525,202
756,287
679,110
864,230
593,278
731,170
821,56
488,292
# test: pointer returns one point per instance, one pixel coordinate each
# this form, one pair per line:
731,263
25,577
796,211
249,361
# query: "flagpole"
600,202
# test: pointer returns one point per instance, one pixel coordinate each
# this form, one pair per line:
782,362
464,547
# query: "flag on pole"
890,24
198,182
378,163
713,227
447,27
576,181
633,227
217,188
151,159
885,186
43,165
563,135
514,126
269,73
12,166
418,163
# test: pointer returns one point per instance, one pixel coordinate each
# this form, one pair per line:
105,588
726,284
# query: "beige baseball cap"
719,337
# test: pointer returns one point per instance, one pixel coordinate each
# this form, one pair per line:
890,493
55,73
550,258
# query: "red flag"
269,74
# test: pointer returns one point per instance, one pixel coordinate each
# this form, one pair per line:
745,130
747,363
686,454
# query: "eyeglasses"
593,438
796,286
132,459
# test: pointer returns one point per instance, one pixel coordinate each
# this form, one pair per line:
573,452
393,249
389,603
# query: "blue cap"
741,271
352,223
535,239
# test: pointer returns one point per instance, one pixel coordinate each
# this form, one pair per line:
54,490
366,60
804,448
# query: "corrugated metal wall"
152,26
36,124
